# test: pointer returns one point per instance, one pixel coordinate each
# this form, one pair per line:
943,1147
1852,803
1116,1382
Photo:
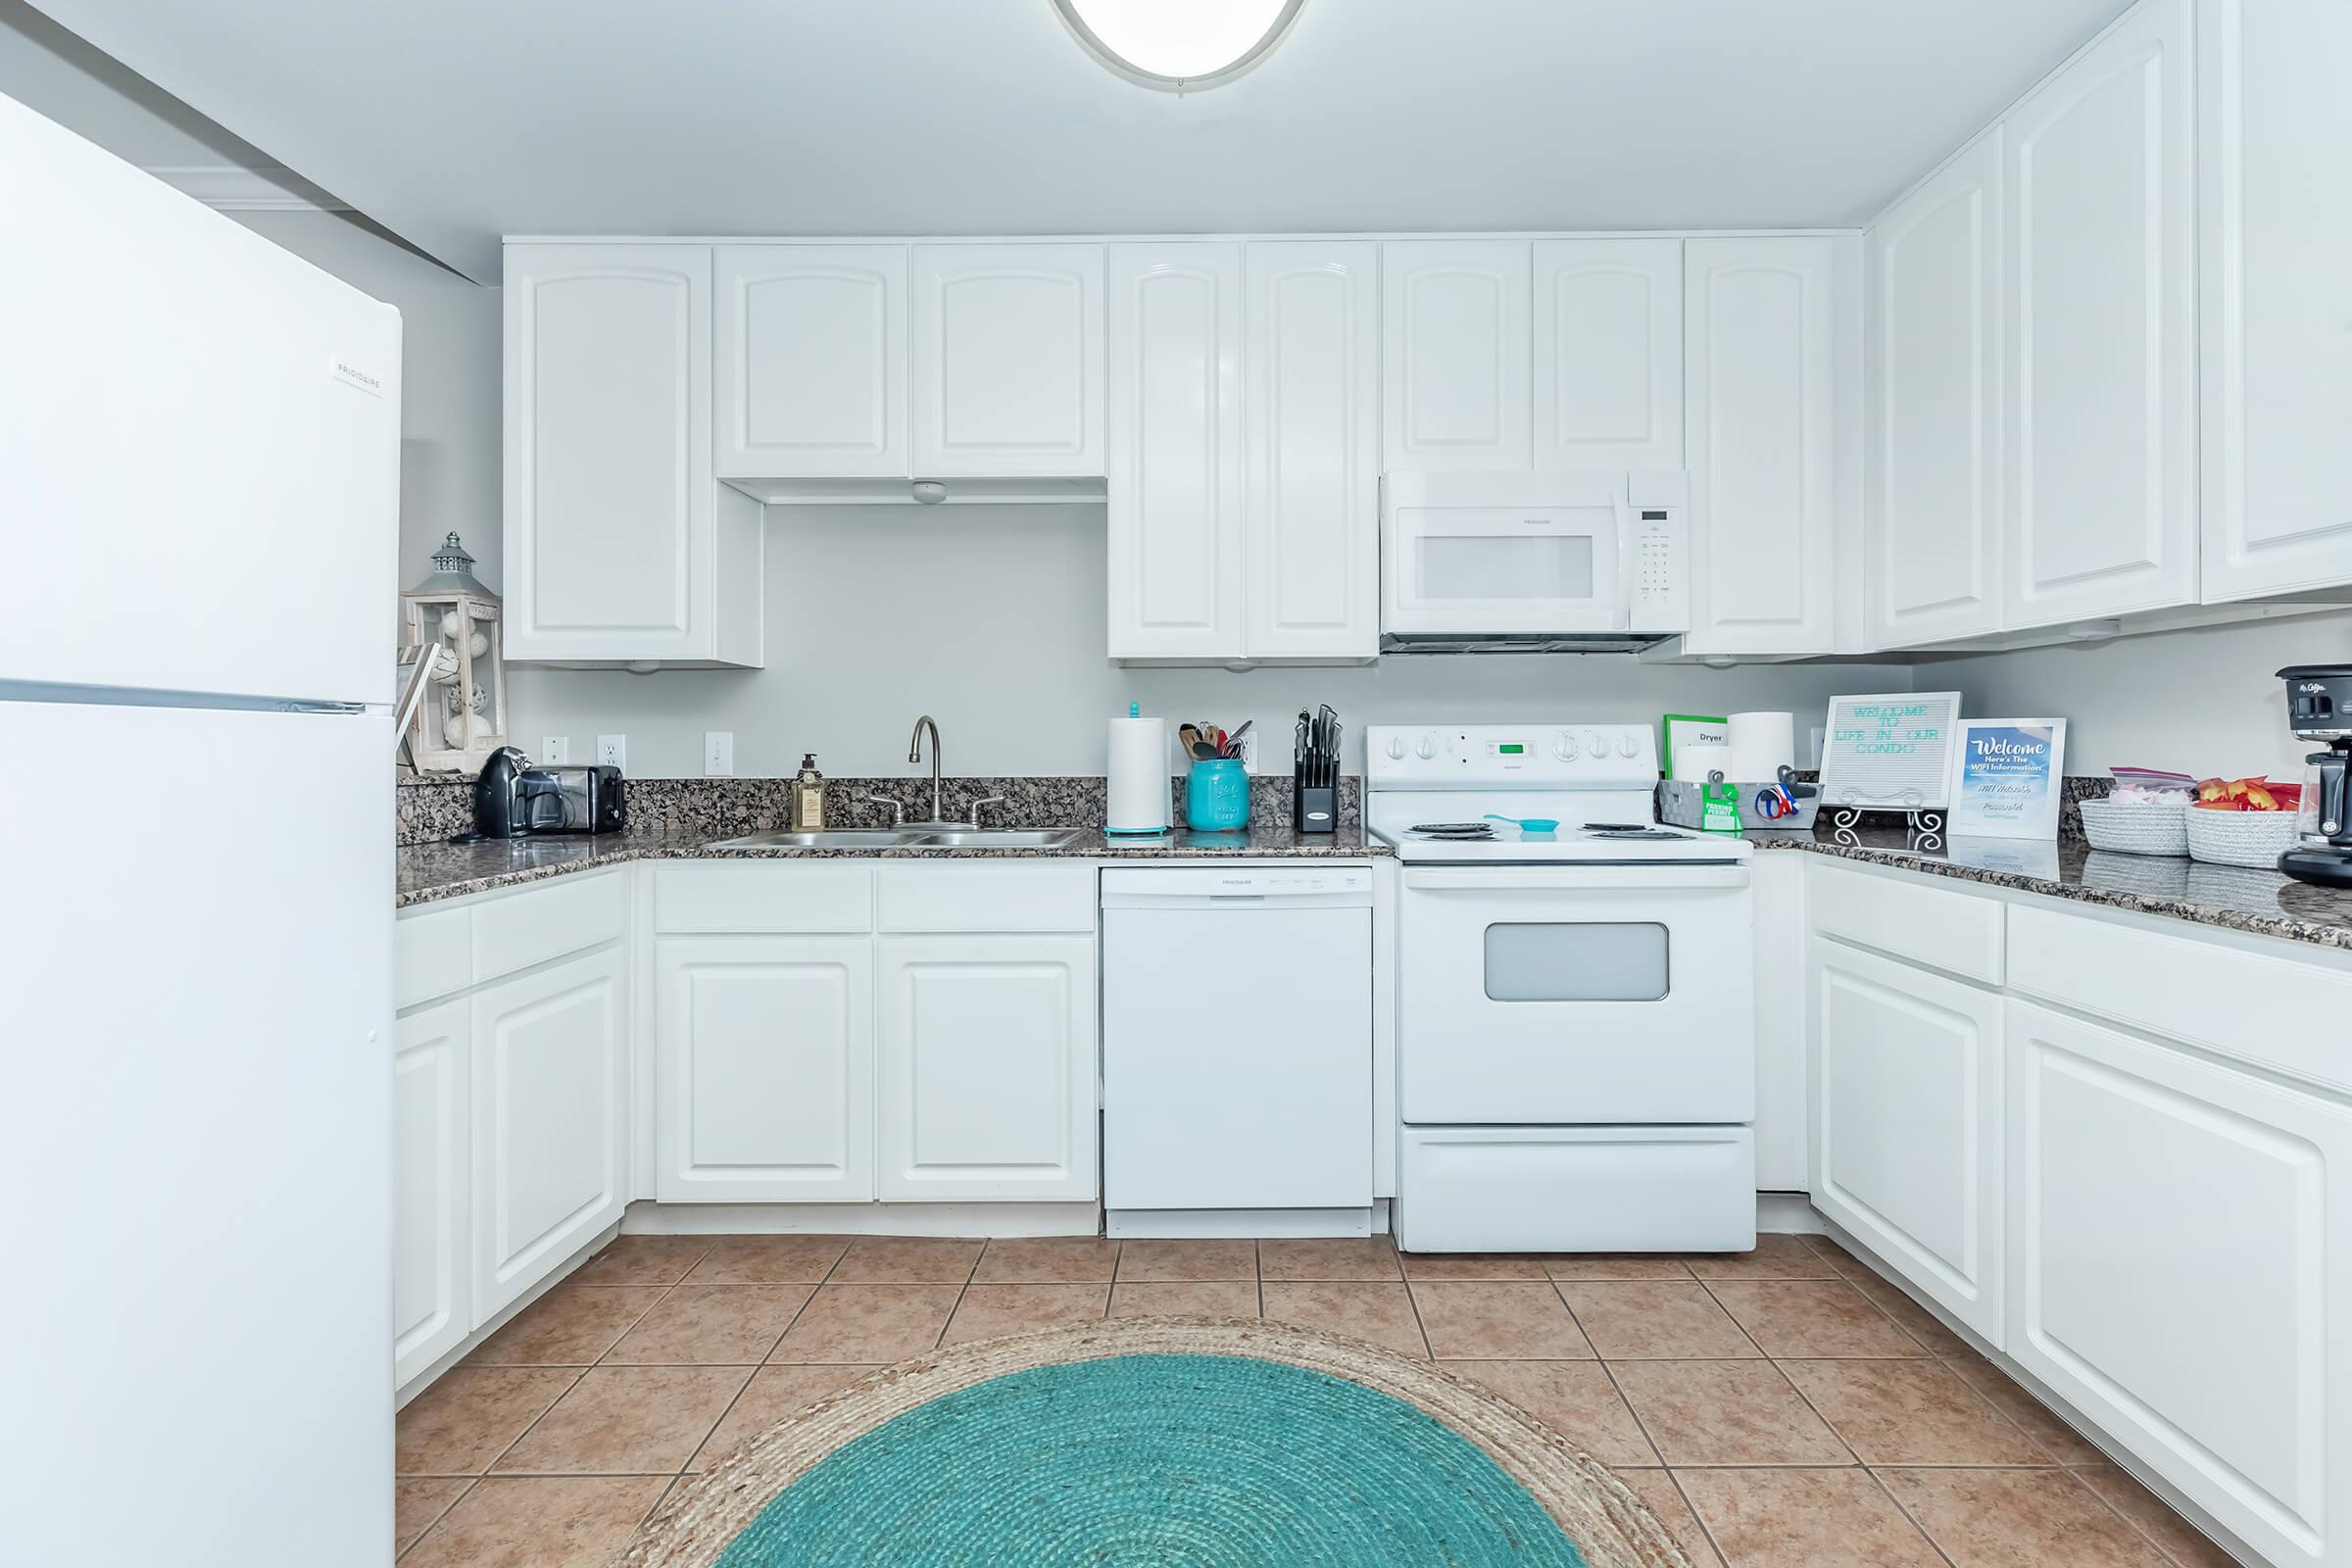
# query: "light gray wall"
2203,702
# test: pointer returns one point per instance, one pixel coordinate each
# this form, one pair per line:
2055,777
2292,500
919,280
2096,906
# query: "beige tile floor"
1776,1408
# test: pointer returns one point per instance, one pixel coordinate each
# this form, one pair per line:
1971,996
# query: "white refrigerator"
199,480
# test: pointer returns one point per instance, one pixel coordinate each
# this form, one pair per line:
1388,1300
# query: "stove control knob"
1427,749
1564,747
1397,746
1596,743
1626,746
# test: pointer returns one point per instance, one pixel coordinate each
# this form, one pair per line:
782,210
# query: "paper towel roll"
1138,786
1762,743
1692,764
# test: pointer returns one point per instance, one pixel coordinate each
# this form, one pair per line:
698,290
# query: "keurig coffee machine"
2318,708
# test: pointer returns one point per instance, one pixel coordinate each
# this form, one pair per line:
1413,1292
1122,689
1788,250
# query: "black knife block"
1313,809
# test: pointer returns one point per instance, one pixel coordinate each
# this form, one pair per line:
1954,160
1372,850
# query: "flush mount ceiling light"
1179,45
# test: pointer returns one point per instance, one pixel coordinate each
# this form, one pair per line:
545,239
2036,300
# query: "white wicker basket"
2252,838
2137,827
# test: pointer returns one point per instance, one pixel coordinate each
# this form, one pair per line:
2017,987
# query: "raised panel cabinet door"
550,1104
611,516
1176,460
765,1054
1759,353
1312,366
1608,354
1455,353
2178,1264
1932,511
2275,148
433,1224
1008,360
1906,1070
2101,329
987,1067
810,348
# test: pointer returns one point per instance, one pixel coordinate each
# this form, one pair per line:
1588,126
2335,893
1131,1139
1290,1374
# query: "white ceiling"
451,122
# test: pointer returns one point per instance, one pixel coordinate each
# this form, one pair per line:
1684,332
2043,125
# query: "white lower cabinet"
432,1257
1907,1112
767,1068
550,1087
987,1067
2179,1270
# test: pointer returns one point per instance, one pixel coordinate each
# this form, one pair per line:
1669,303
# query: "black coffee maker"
2318,708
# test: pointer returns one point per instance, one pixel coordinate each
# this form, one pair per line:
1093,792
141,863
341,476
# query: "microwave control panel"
1657,559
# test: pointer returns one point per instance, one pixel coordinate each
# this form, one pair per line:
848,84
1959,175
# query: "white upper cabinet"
1456,353
1008,360
615,542
1933,416
811,351
2102,512
1608,354
1311,358
2275,137
1176,451
1758,358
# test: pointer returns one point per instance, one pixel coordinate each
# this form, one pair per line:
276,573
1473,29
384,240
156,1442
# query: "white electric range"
1575,1015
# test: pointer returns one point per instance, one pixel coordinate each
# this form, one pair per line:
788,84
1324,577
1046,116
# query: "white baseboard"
648,1218
1237,1222
1788,1214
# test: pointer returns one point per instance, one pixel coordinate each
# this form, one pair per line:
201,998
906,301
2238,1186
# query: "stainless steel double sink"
909,838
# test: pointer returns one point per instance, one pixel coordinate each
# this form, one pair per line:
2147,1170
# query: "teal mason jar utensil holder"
1216,797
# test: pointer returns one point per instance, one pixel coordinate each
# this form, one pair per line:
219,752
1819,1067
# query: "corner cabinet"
1759,358
2102,345
765,1068
987,1067
620,548
1311,371
809,343
2275,131
549,1130
1177,471
1933,427
1008,360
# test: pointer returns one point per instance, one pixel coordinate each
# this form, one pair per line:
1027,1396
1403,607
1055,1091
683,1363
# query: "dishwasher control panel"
1189,883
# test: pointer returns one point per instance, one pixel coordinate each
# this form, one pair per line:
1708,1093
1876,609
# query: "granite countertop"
2261,903
440,871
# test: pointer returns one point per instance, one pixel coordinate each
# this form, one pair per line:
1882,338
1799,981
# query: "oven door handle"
1651,878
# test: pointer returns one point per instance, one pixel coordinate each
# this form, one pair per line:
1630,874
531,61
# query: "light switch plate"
718,750
556,749
613,751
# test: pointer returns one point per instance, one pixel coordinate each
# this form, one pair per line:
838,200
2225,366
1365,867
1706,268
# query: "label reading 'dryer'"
342,369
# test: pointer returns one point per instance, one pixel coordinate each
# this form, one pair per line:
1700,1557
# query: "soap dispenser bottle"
809,797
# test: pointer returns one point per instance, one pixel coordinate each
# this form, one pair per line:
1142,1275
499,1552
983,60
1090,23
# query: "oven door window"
1582,961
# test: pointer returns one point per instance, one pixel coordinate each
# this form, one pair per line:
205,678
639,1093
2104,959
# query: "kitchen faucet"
914,753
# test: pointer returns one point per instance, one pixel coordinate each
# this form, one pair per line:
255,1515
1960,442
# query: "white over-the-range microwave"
1533,562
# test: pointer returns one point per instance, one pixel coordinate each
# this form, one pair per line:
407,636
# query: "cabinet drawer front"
1040,896
2253,1006
2178,1270
1908,916
433,954
764,896
520,929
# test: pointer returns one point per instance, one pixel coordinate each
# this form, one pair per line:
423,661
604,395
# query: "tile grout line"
1674,1479
446,1510
1615,1386
948,1322
746,1382
1732,1318
1934,1545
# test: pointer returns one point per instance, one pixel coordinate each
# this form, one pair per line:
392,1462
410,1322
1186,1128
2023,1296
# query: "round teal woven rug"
1191,1443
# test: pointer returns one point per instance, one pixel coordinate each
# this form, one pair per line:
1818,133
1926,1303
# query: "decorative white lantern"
463,719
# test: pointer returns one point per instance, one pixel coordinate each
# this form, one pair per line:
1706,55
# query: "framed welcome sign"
1889,752
2007,778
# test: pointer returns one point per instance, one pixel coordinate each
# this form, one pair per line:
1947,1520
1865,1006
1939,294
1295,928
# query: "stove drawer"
1577,1190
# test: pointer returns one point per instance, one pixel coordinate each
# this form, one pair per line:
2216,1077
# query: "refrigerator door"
199,443
198,1038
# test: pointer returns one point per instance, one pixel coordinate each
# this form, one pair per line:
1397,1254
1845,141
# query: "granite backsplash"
432,807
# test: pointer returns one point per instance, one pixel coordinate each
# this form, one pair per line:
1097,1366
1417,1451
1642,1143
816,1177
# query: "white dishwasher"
1237,1051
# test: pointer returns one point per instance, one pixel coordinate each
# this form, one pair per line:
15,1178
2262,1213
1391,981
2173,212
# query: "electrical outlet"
1250,751
718,750
555,750
613,751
